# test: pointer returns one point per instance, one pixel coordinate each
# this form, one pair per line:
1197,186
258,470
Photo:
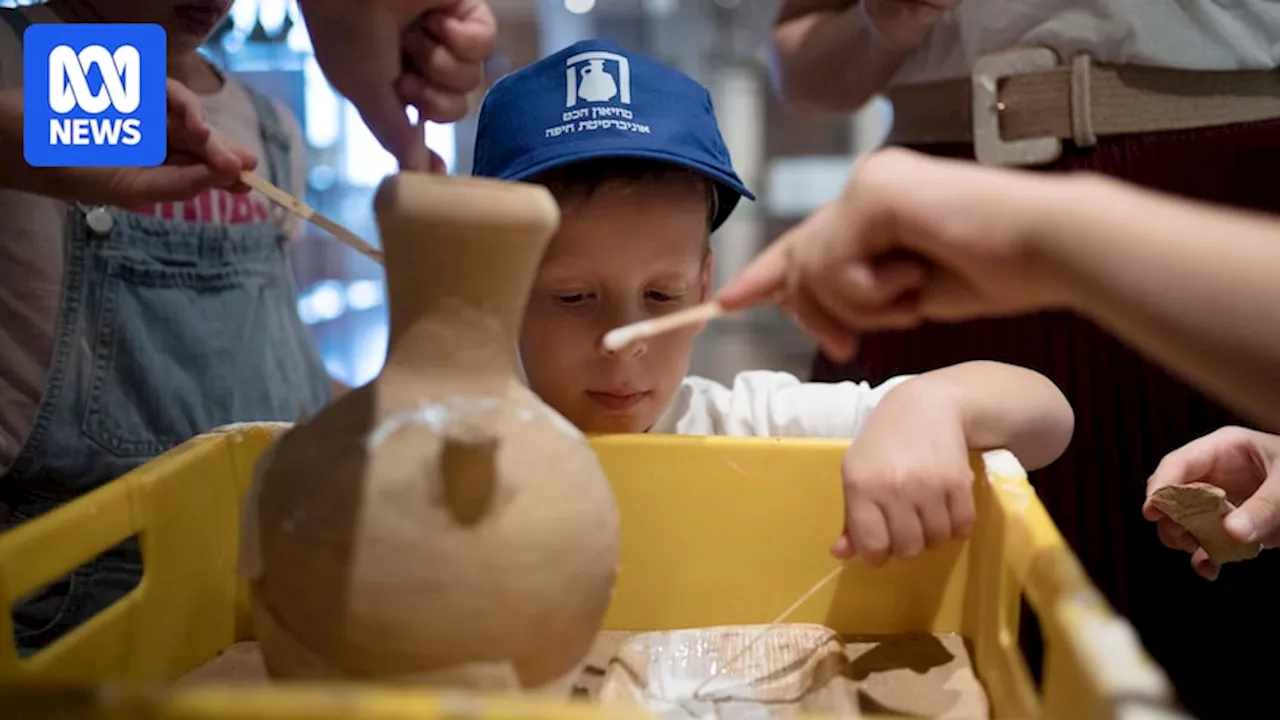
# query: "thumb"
1189,463
760,280
1258,518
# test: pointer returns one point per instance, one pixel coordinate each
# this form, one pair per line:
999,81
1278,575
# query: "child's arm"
907,480
1002,407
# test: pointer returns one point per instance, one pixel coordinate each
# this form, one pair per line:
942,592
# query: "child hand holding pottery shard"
631,150
1195,491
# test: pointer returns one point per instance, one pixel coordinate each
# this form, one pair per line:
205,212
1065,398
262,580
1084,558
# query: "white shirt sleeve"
762,403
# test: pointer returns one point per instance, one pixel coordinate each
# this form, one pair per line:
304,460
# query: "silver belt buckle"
988,145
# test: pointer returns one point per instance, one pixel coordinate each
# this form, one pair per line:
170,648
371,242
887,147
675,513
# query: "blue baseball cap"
594,100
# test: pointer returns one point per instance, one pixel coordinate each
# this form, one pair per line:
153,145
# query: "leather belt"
1019,105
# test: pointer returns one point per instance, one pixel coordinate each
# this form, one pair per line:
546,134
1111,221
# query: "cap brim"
724,179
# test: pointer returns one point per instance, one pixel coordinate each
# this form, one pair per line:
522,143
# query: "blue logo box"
94,95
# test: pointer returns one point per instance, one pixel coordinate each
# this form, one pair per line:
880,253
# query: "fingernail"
842,548
1240,526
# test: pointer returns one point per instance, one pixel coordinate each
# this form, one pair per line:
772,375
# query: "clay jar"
440,525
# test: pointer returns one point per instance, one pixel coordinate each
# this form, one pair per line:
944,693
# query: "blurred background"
792,163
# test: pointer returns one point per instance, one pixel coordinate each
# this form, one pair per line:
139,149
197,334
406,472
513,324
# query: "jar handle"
468,465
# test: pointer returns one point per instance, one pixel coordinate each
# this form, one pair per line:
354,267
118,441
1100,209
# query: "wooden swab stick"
304,211
618,338
697,693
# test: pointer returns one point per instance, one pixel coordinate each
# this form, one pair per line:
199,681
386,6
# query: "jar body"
377,563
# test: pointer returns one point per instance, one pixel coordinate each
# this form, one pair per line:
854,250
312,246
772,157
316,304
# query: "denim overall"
166,329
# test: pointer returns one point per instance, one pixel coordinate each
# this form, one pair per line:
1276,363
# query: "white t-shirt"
31,252
1183,34
763,403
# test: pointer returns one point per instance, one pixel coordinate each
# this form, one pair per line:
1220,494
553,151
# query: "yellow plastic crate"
714,531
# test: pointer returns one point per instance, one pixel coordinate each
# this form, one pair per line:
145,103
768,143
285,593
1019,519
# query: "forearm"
825,58
1004,407
1193,287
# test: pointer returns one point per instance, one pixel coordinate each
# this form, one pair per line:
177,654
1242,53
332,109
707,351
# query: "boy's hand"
1246,464
387,54
907,480
901,25
911,238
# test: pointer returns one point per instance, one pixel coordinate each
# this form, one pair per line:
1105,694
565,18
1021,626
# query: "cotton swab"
302,210
618,338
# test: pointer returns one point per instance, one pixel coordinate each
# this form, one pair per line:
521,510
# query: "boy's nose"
621,315
633,350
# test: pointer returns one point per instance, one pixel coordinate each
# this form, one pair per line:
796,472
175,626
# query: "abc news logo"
94,95
69,90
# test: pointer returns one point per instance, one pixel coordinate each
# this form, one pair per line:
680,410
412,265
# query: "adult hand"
1246,464
199,158
901,25
911,238
387,54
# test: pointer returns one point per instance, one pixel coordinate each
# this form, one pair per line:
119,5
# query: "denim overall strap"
166,329
275,142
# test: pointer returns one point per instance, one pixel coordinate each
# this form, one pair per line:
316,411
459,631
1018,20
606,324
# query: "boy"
128,331
632,152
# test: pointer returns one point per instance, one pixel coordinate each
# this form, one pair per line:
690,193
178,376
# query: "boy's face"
623,255
186,22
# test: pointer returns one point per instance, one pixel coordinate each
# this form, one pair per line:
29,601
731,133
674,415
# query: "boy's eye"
572,299
661,297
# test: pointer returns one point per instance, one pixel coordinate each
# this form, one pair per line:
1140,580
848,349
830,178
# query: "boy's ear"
706,277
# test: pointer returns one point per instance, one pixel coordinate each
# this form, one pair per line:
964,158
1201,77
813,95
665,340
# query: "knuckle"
1230,431
854,479
872,549
960,479
908,487
1229,435
876,545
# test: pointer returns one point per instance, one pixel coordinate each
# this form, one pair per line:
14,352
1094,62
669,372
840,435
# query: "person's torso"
1183,34
103,320
766,403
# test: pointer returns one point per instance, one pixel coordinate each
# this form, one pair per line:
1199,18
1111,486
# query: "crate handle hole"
1031,642
42,617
